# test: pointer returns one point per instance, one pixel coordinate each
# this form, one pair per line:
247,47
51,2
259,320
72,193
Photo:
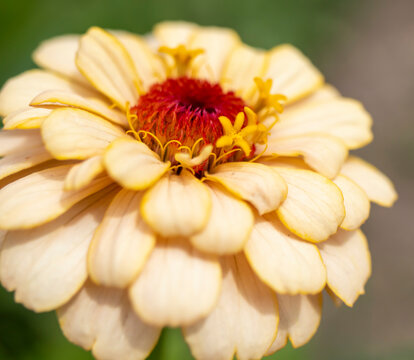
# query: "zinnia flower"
154,181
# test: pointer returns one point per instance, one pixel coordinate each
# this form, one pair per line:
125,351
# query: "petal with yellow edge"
174,33
244,321
121,244
83,173
26,118
177,286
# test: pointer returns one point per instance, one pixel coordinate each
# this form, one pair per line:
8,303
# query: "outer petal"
314,207
121,244
292,73
26,118
47,266
101,319
40,197
177,286
229,225
104,61
174,33
77,134
256,183
322,152
13,141
133,165
348,263
356,203
300,317
343,118
285,263
376,185
83,173
244,321
178,205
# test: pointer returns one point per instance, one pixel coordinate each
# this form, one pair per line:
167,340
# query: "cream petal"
314,206
376,185
244,321
105,62
77,134
177,286
356,203
101,319
26,118
133,165
47,266
229,225
178,205
348,264
324,153
300,317
259,184
83,173
292,73
13,141
40,197
122,243
18,92
3,234
284,262
343,118
174,33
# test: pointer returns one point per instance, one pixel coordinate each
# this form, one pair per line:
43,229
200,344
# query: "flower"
182,179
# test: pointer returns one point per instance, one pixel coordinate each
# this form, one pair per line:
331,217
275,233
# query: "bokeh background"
366,49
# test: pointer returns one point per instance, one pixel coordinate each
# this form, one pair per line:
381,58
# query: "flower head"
182,179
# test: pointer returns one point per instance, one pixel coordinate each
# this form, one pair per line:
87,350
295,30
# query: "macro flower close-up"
182,179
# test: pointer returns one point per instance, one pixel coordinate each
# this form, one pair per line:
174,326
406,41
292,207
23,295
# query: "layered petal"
13,141
177,286
284,262
257,183
121,244
101,319
244,321
174,33
26,118
348,263
83,173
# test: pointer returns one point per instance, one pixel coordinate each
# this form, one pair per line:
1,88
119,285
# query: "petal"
3,234
133,165
348,264
26,118
292,73
259,184
343,118
18,92
356,203
284,262
314,206
40,197
83,173
47,266
300,317
177,286
104,61
12,141
77,134
324,153
178,205
229,225
121,244
174,33
102,319
244,321
376,185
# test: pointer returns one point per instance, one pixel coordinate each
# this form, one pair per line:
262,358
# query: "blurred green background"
366,49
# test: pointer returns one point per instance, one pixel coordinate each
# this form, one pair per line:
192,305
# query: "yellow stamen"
182,57
188,161
266,99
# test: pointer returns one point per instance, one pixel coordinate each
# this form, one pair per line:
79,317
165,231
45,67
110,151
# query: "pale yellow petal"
133,165
259,184
3,234
314,206
174,33
244,321
177,286
40,197
292,73
26,118
376,185
348,264
325,92
46,266
121,244
356,203
104,61
229,225
284,262
101,319
83,173
77,134
12,141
